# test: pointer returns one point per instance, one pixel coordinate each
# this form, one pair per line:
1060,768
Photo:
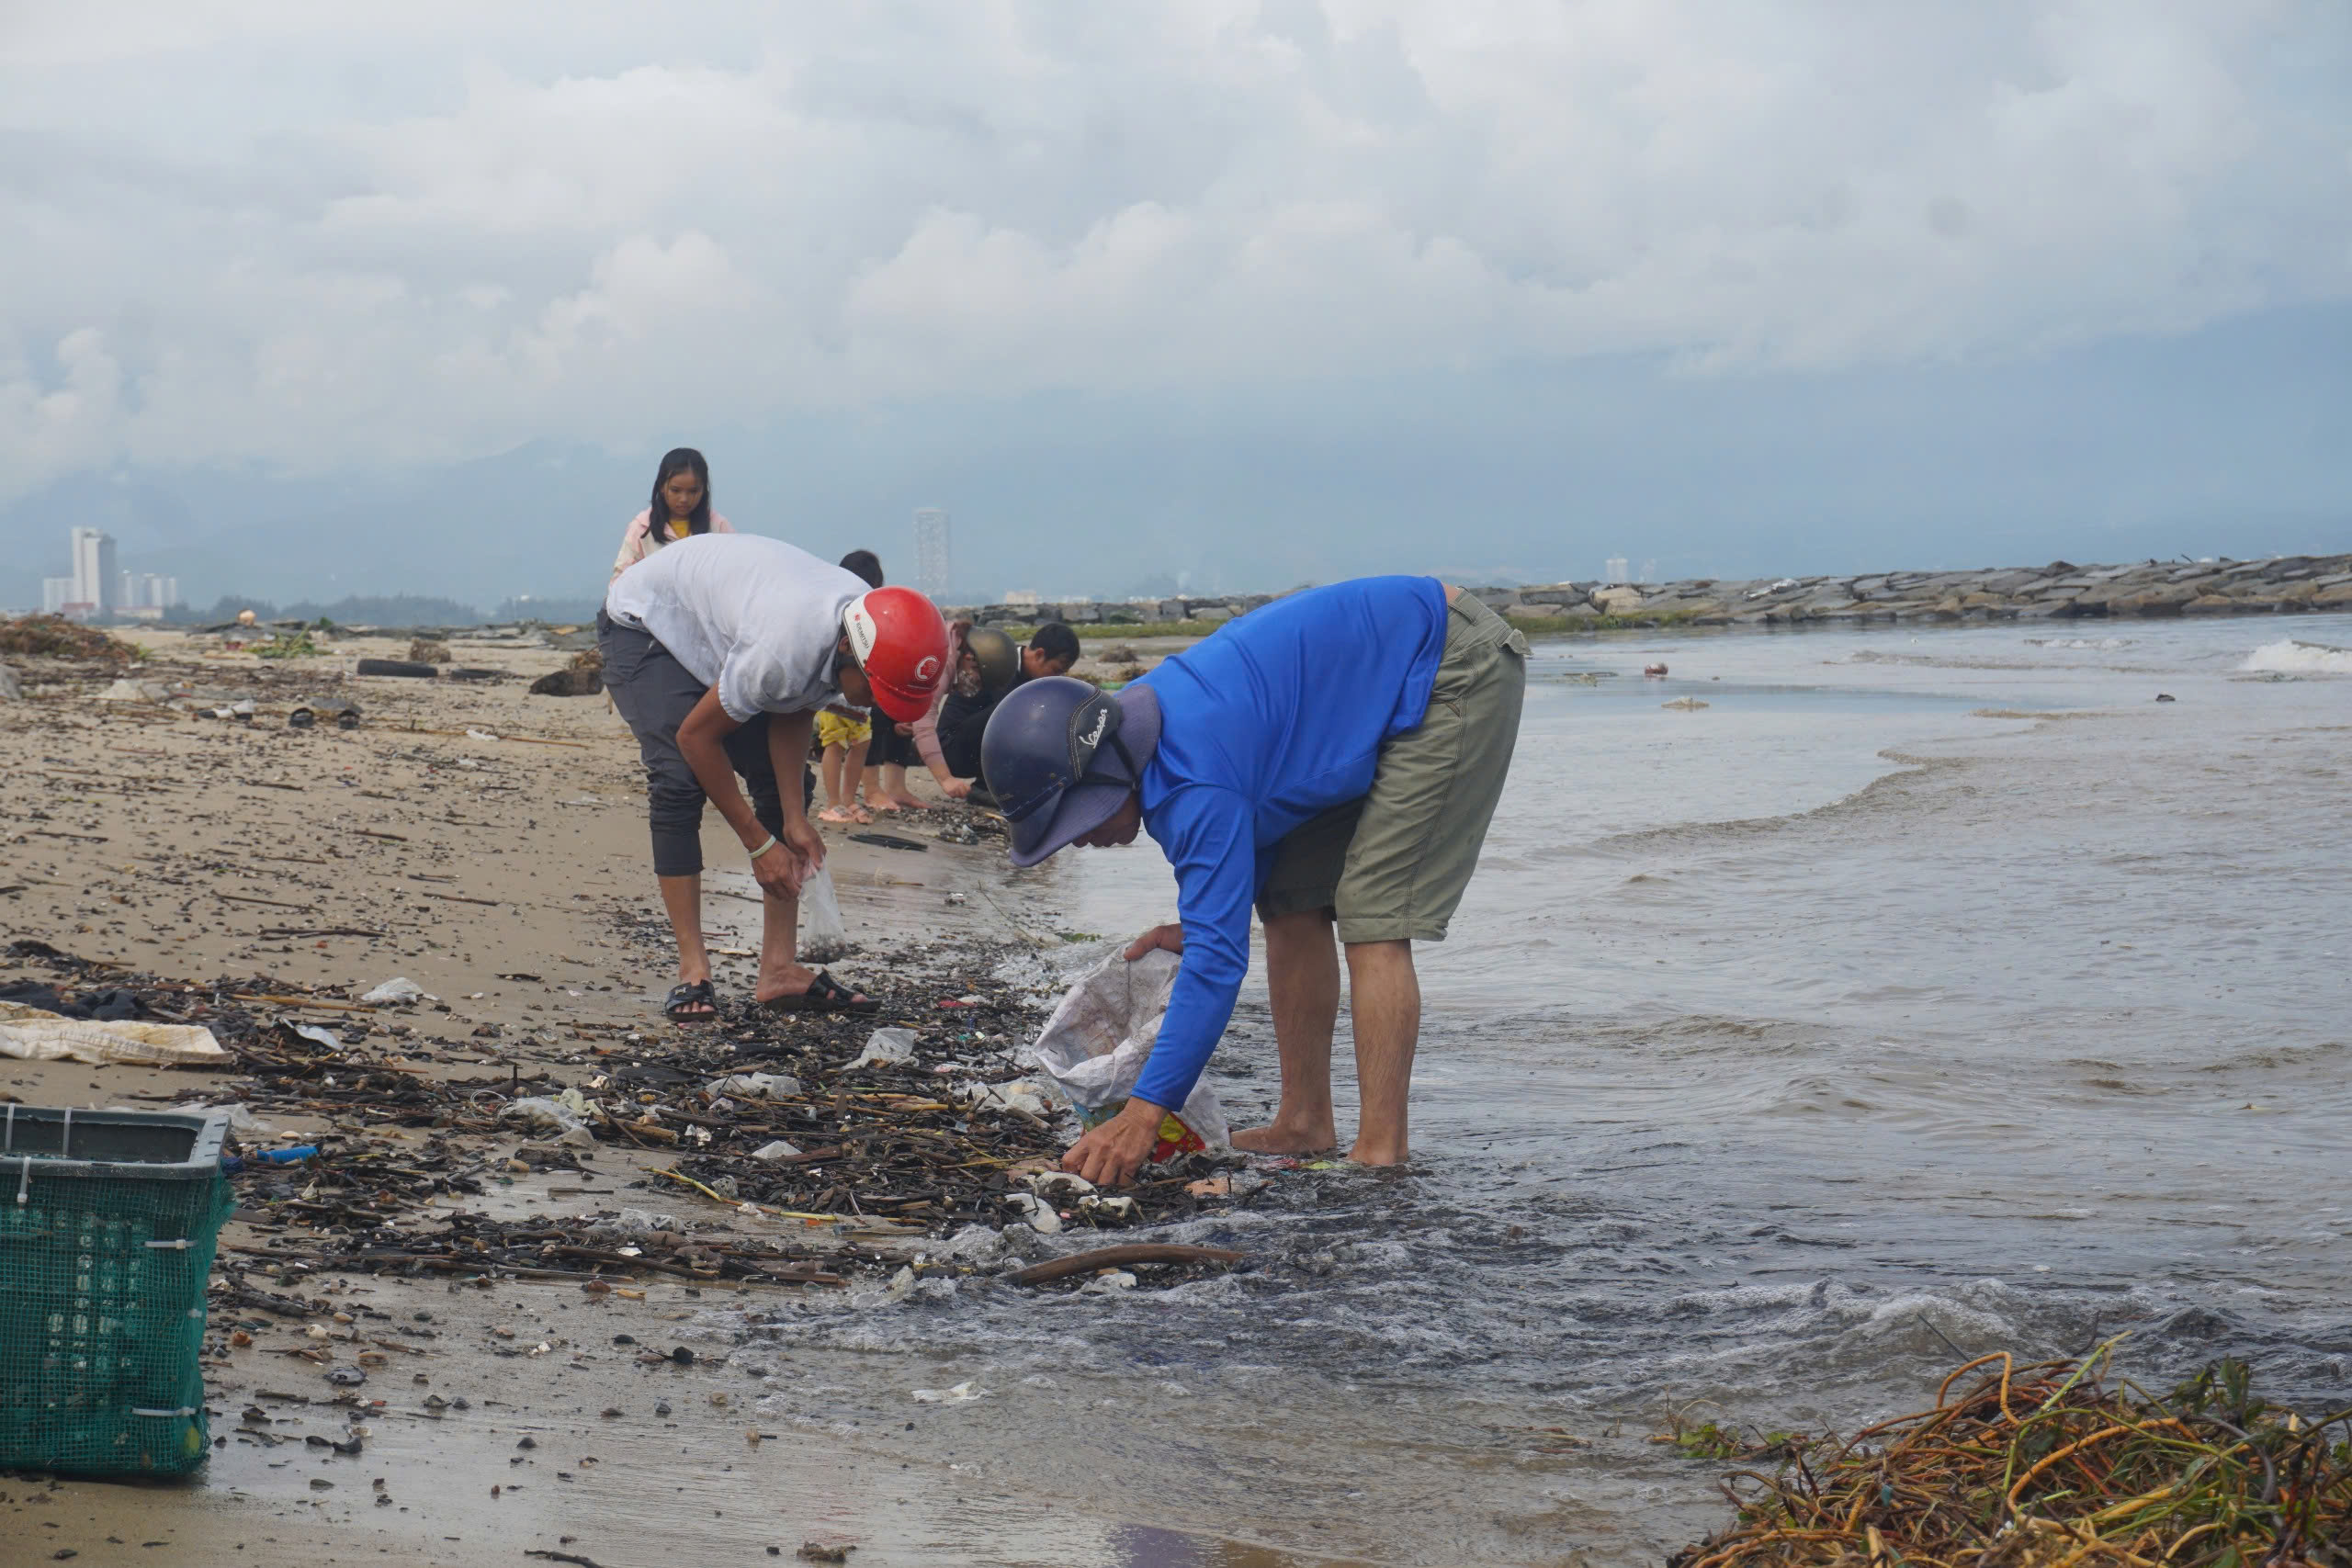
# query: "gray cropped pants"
654,694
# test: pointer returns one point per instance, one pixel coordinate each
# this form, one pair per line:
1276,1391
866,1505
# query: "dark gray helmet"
999,659
1060,756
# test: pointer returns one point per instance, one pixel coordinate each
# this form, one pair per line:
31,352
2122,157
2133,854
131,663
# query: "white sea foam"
2102,645
2289,657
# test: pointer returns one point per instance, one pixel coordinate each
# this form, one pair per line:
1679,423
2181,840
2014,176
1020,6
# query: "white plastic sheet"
756,1086
886,1048
562,1116
33,1035
1094,1046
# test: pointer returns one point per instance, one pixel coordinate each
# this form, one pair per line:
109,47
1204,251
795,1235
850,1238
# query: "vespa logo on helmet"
1094,738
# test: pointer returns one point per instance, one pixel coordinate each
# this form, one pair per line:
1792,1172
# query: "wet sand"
504,871
685,1469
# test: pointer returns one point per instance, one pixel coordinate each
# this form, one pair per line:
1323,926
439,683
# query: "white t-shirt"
755,617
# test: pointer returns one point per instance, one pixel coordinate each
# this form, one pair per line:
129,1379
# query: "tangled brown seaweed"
54,636
2049,1466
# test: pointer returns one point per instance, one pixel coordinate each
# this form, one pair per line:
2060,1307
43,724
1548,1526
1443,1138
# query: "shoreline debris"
2037,1466
583,677
872,1147
54,636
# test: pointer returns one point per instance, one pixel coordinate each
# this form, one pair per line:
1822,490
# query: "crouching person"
718,650
1333,759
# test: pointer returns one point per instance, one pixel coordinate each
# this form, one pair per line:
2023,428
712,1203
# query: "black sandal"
687,995
824,994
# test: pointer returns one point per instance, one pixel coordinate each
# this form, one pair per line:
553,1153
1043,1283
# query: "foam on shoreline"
2290,656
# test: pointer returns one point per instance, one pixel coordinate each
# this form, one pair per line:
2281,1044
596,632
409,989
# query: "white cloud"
428,231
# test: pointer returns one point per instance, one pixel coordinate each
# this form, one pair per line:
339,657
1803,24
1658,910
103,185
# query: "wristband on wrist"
763,848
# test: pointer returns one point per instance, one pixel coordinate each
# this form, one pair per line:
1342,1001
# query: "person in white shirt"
718,650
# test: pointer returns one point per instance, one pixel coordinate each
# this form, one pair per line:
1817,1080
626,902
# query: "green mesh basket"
108,1223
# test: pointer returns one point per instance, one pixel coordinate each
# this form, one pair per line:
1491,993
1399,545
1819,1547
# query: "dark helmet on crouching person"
999,659
1061,757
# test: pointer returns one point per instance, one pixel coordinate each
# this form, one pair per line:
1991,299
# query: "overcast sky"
1223,268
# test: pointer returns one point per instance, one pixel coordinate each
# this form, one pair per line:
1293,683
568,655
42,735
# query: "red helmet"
901,644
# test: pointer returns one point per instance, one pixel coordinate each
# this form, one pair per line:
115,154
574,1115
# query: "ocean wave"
2101,644
1927,661
2289,657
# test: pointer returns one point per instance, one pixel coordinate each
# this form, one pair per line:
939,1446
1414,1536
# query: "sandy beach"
487,844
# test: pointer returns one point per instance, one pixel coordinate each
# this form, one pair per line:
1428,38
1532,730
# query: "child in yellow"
843,731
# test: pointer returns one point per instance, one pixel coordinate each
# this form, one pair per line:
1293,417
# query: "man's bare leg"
1385,1004
1303,979
681,897
780,972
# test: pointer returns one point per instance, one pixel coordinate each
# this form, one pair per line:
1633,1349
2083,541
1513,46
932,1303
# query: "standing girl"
890,749
682,501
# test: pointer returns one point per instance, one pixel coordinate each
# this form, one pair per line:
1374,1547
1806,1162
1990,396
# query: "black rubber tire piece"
396,666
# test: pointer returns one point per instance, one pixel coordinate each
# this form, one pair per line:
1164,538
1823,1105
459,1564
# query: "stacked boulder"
2059,590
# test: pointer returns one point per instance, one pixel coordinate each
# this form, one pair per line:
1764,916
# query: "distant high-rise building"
96,583
145,596
99,585
934,567
1615,571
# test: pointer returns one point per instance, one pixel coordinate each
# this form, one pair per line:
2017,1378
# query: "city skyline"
98,586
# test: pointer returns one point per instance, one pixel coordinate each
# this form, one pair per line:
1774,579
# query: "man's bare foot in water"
1282,1138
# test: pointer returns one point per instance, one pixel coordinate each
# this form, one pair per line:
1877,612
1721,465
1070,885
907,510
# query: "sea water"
1925,993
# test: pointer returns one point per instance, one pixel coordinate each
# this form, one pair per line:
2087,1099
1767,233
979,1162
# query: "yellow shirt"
681,528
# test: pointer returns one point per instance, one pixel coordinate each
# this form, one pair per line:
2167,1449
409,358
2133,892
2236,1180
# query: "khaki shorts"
1392,865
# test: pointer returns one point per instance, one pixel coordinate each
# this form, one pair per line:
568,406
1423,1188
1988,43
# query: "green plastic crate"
108,1223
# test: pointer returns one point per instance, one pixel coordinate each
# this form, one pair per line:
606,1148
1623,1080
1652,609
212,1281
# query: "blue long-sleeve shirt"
1276,717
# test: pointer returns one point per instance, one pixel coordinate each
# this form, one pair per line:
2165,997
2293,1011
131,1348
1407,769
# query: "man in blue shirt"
1333,759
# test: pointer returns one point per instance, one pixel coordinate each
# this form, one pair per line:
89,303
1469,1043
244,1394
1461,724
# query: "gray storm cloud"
356,235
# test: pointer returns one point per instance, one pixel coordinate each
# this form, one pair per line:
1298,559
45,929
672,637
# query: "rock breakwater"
2061,590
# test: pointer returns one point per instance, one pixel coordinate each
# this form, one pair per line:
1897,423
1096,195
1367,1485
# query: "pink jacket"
636,541
927,727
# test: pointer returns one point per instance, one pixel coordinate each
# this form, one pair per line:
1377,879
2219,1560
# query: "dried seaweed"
2050,1466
